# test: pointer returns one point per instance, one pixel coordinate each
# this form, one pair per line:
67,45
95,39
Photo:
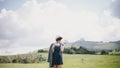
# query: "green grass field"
76,61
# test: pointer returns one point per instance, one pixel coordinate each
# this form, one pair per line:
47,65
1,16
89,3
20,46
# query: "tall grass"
76,61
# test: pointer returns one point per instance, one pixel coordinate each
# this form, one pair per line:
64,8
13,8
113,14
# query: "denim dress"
57,56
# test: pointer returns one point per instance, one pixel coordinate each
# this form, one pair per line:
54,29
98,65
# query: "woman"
57,49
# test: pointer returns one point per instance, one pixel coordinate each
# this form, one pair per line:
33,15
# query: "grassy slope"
76,61
91,61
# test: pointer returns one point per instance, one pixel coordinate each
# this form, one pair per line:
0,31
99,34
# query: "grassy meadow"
75,61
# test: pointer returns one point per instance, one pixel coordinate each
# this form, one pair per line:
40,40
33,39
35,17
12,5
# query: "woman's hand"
61,44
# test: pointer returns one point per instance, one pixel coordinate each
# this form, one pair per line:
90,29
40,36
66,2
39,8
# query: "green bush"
114,52
42,51
74,50
24,58
82,50
4,59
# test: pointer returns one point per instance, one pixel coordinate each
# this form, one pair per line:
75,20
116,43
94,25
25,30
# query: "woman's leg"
59,66
55,66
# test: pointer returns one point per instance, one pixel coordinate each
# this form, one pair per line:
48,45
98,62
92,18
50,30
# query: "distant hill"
95,46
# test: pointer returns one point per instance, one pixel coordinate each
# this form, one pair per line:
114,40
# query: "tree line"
83,50
74,50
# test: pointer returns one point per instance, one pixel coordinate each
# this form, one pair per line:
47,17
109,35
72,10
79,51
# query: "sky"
27,25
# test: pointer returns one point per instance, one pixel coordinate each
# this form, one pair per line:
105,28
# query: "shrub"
114,52
42,51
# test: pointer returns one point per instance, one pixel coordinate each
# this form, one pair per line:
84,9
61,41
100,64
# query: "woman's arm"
62,47
53,48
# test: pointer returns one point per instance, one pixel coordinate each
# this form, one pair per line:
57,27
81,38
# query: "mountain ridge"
95,45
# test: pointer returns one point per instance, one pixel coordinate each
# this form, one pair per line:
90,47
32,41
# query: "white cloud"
115,10
112,32
2,0
35,25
